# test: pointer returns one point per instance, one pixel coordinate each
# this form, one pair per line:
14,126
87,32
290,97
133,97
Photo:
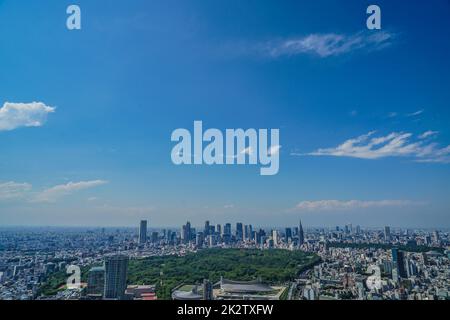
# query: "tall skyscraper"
199,239
398,260
207,290
143,232
96,281
287,234
387,234
207,228
239,231
186,233
115,277
275,237
227,229
301,235
219,229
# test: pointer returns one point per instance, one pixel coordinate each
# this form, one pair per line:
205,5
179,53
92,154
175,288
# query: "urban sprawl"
352,262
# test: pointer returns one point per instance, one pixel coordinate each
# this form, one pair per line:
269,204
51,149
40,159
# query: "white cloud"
15,115
274,150
428,133
330,44
392,114
329,205
396,144
54,193
13,190
229,206
419,112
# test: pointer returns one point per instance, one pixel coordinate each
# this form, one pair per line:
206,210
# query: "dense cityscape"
349,262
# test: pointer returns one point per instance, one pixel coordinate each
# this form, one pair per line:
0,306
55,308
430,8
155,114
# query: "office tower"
206,230
207,290
436,237
199,239
287,235
227,229
301,235
239,231
246,232
358,229
219,229
115,277
398,260
96,281
188,231
250,232
346,229
155,237
275,237
387,234
143,232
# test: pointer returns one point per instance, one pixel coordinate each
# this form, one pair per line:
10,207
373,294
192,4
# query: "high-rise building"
186,233
301,235
387,234
219,229
207,290
207,228
143,232
239,231
250,232
199,239
287,235
398,260
227,229
275,237
96,281
115,277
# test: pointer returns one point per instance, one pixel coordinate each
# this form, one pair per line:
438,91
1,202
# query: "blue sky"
95,147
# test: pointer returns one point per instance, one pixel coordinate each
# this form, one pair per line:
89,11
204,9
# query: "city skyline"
86,117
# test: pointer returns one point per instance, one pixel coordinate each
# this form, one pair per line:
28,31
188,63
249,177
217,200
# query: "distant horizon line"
196,226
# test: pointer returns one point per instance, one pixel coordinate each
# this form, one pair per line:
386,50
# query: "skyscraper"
115,277
398,260
275,237
207,290
207,228
227,229
387,234
96,281
287,234
143,232
219,229
301,235
239,231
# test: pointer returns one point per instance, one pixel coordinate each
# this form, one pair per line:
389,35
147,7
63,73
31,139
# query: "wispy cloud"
396,144
54,193
428,134
13,190
16,115
330,205
416,113
392,114
329,44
